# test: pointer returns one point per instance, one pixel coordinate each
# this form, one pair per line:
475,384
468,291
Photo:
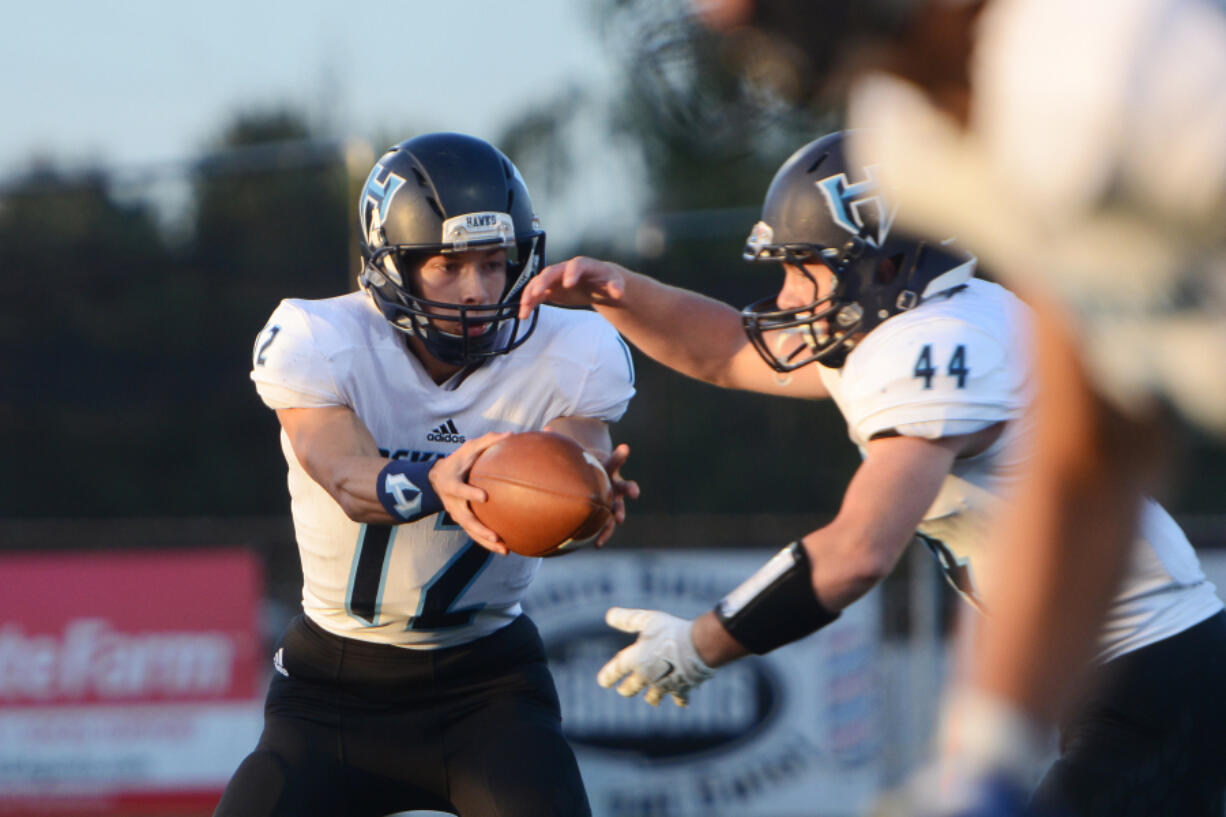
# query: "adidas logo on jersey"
446,433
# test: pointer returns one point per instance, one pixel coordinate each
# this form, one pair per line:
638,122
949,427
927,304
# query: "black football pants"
1150,739
365,730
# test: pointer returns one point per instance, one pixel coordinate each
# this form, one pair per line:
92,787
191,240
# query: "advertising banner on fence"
129,682
790,734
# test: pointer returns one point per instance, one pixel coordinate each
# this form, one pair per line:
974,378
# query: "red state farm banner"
129,681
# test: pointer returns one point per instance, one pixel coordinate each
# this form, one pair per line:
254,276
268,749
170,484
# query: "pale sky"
149,80
130,83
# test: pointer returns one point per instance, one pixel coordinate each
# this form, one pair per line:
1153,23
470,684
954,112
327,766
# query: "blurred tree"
537,143
127,391
81,341
272,221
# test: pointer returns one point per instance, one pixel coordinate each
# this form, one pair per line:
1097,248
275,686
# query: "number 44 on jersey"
956,367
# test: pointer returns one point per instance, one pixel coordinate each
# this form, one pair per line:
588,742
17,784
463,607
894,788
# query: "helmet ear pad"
879,279
876,282
888,268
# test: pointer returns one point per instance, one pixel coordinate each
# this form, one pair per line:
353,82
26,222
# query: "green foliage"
536,143
129,354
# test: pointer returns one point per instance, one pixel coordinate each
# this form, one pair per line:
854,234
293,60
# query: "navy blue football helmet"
444,193
822,209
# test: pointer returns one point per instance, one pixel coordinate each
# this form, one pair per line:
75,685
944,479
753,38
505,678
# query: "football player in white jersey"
932,369
412,679
1079,148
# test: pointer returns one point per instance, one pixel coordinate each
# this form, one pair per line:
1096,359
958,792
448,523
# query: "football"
544,491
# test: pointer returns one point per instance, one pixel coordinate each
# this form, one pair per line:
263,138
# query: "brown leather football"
545,492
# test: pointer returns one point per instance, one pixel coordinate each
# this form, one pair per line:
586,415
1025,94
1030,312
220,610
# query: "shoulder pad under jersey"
916,369
289,366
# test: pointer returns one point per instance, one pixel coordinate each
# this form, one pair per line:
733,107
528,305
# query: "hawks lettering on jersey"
424,584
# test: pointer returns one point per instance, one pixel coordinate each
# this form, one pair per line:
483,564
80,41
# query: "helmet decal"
377,195
847,203
821,208
761,236
479,229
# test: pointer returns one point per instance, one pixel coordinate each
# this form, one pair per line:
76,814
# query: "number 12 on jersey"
435,609
955,368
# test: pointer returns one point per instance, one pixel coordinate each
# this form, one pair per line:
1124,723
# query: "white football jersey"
424,584
1094,162
960,364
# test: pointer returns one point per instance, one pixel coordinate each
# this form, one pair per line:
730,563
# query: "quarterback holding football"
931,368
412,679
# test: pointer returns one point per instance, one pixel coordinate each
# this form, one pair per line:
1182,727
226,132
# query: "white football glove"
663,659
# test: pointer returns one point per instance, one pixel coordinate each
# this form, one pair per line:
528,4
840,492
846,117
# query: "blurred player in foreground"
932,370
1080,148
412,679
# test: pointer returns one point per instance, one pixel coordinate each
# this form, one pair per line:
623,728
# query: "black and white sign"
790,734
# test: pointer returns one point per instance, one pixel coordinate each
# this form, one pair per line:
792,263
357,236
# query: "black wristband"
776,605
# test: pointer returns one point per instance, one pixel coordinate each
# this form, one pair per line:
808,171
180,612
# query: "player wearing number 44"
412,680
931,369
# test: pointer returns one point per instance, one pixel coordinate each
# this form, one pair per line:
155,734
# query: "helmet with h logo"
821,209
444,193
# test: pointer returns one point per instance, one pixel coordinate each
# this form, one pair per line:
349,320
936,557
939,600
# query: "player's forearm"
716,646
848,563
684,330
713,643
336,449
773,607
861,545
352,483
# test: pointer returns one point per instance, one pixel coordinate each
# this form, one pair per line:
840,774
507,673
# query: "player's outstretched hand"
623,489
449,478
662,659
581,281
